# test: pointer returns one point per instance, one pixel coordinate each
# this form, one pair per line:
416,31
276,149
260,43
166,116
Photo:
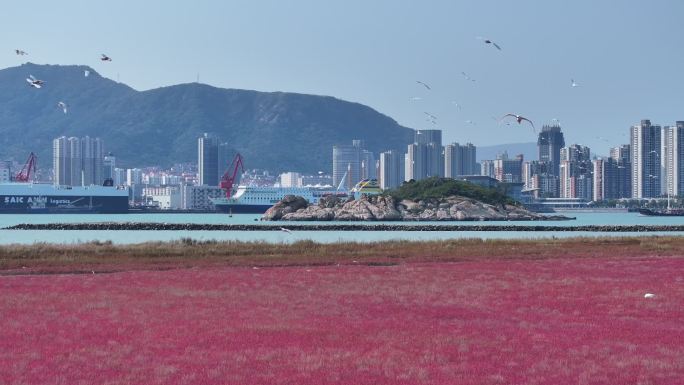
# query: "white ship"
256,200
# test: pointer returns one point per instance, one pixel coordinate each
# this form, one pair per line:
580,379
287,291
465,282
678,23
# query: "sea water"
140,236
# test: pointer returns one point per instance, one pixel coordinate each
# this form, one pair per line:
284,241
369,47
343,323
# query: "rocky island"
431,199
386,208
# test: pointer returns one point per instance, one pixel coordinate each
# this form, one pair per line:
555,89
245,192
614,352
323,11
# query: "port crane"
30,167
228,178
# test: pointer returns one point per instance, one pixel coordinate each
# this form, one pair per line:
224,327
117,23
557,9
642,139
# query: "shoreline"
151,226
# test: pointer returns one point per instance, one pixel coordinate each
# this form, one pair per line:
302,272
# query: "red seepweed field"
563,320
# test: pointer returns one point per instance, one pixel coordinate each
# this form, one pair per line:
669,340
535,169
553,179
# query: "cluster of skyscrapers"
650,166
424,158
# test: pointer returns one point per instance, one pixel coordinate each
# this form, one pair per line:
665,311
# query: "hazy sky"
627,56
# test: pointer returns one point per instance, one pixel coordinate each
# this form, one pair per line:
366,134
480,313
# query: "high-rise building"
621,156
460,160
673,160
487,168
645,145
368,166
77,161
428,136
347,161
92,155
207,160
108,166
549,143
508,170
61,161
424,157
119,176
415,162
576,180
133,176
391,169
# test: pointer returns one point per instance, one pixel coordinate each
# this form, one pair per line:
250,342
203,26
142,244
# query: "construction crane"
228,178
30,167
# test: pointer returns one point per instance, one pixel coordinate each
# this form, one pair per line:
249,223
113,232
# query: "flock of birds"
505,119
38,83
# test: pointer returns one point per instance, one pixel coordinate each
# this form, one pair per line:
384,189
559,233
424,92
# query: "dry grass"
102,257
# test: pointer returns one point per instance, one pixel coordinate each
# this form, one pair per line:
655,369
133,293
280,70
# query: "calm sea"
123,237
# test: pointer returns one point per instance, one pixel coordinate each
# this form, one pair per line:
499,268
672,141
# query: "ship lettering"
60,201
14,199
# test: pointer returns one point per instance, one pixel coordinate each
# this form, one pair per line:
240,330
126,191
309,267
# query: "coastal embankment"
327,226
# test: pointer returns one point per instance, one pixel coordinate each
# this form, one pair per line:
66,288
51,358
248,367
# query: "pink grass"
556,321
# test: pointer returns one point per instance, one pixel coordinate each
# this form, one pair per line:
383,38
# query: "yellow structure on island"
367,187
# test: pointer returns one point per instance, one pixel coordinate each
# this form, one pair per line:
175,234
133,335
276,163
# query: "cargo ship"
37,198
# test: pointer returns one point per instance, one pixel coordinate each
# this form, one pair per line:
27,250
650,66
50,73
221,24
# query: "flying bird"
574,84
519,119
458,106
285,230
86,73
467,77
424,85
415,98
20,52
33,82
470,122
488,41
430,115
105,58
63,106
649,295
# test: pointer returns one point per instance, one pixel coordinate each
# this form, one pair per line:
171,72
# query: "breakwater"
144,226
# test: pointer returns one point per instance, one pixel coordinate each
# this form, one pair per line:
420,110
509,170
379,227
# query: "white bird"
470,122
458,106
467,77
430,115
424,85
86,73
520,119
20,52
285,230
415,98
105,58
649,295
573,83
35,83
488,41
63,106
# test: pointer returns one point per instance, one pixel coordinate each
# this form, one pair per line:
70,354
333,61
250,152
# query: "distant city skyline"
376,53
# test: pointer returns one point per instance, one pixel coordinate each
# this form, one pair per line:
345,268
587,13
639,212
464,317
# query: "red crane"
228,179
25,174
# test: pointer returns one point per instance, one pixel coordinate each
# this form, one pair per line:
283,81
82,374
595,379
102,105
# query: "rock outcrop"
384,208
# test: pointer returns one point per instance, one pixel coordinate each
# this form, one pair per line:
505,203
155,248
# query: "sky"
626,56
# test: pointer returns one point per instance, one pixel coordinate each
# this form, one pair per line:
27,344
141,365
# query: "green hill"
279,131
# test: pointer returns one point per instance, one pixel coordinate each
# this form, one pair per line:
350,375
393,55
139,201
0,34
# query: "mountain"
529,151
279,131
